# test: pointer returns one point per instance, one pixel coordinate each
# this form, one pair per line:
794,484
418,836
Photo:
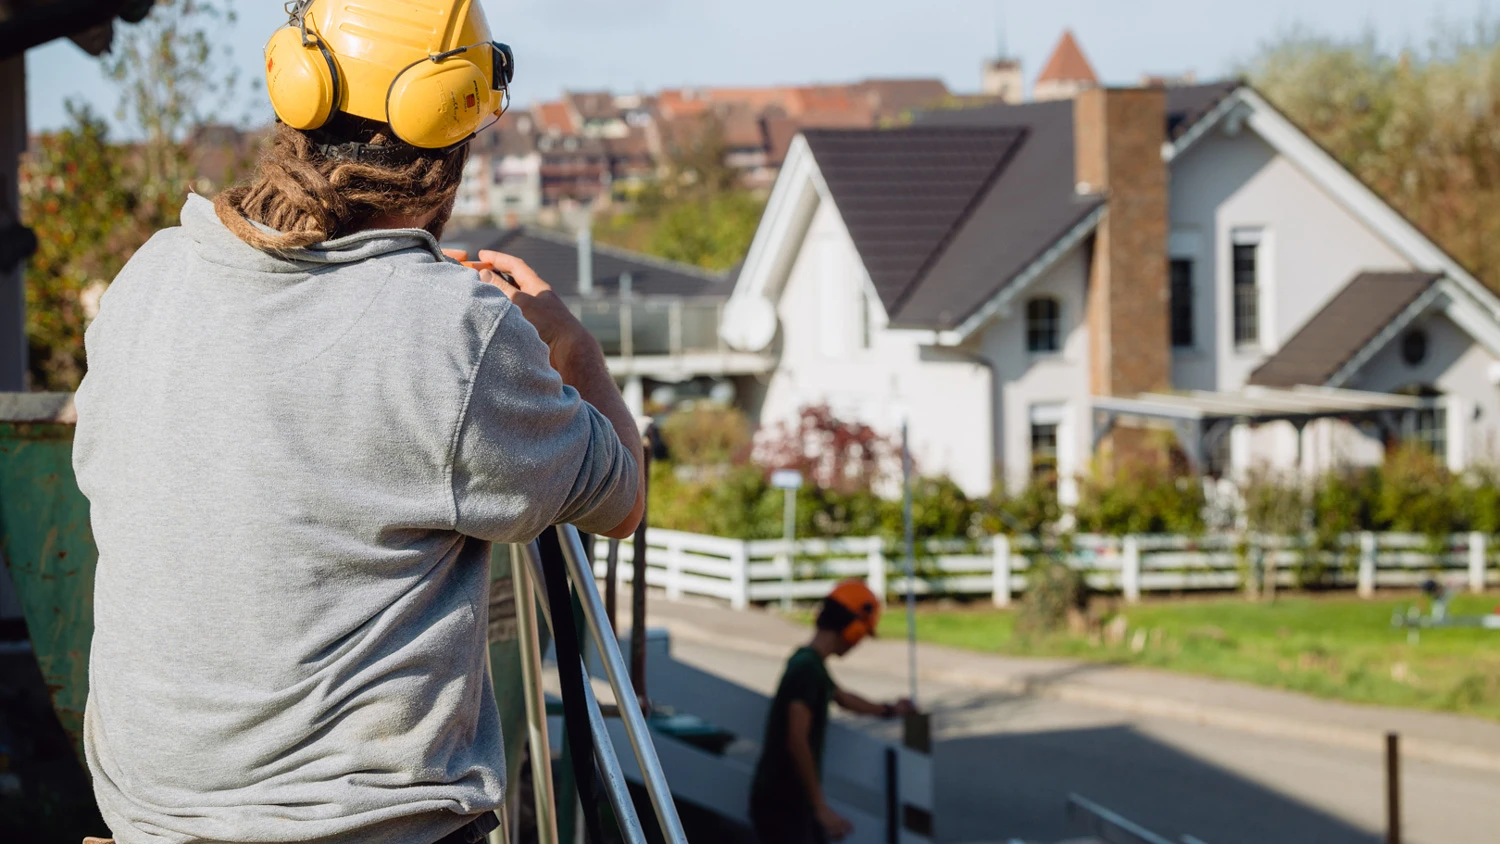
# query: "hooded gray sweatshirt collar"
217,244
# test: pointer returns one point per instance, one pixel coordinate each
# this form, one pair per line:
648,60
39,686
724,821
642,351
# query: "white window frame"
1061,325
1265,305
1187,245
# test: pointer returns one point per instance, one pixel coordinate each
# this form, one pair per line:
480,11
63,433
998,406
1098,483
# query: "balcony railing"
652,327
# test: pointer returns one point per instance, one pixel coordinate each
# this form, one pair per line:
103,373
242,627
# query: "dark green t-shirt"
805,679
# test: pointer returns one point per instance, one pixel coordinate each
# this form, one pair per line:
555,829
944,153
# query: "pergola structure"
1201,419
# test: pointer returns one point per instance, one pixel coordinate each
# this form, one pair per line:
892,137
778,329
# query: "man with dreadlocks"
301,429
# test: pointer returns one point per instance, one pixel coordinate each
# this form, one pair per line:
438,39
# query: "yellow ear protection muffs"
852,610
426,68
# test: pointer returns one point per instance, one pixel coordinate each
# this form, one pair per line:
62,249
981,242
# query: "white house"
1019,280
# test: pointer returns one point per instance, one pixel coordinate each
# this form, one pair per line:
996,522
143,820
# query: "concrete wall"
1312,246
1026,380
824,358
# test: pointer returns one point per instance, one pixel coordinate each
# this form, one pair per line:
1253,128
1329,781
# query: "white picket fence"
758,571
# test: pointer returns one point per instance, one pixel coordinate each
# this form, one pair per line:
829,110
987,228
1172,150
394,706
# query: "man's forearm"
856,704
582,367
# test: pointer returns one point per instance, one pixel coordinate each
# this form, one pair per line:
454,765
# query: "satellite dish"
749,324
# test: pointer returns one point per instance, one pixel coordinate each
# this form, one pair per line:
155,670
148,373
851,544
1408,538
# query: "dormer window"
1043,325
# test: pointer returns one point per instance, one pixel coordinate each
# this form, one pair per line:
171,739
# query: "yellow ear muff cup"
433,105
300,80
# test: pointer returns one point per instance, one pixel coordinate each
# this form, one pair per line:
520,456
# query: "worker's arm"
799,728
576,356
856,704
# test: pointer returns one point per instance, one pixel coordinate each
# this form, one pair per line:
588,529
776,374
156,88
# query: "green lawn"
1339,647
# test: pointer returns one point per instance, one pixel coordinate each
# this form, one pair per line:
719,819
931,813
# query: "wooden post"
739,578
1001,552
1130,571
674,569
12,280
876,559
1392,788
1367,565
1478,551
611,576
638,583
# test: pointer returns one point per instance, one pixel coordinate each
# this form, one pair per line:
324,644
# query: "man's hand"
837,826
903,707
559,329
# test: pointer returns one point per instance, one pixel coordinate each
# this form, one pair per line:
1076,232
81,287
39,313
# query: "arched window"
1043,325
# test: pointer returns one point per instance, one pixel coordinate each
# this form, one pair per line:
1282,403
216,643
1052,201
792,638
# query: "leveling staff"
787,805
301,429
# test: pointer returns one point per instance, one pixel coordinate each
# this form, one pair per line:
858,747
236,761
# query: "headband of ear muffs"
433,99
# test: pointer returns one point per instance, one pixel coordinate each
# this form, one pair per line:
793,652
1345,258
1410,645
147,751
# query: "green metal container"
48,547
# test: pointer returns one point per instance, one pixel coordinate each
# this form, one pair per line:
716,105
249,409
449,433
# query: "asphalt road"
1005,766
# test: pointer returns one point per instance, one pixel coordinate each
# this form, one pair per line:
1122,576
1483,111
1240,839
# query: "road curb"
1240,720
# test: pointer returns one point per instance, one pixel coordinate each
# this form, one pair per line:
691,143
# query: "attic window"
1414,347
1043,325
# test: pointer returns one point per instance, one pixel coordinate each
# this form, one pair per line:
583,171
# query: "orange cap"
862,602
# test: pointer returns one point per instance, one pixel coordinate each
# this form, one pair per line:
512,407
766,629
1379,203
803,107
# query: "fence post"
739,578
1367,565
1130,571
674,569
1477,554
877,568
1001,552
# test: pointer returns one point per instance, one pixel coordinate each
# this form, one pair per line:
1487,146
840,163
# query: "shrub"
1143,499
707,434
831,453
1053,591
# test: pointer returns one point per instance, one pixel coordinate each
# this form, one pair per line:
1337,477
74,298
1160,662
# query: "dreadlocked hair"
308,197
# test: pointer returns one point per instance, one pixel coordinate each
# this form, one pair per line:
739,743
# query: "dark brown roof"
1346,325
902,192
1011,216
554,256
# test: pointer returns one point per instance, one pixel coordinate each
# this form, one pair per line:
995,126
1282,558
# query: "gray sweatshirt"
295,467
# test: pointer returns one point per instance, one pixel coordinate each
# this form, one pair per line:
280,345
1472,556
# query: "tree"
697,212
92,202
1420,126
88,220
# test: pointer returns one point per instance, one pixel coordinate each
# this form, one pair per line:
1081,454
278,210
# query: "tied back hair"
307,197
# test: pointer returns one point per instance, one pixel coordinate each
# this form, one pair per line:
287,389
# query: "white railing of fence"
757,571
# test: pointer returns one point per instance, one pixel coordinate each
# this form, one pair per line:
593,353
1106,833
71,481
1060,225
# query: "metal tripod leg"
536,701
619,680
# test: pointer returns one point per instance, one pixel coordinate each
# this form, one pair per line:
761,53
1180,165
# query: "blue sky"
627,45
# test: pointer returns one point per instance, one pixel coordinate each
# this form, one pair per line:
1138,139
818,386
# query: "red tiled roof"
555,117
1068,64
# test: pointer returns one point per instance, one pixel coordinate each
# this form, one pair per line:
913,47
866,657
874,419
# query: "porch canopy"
1201,419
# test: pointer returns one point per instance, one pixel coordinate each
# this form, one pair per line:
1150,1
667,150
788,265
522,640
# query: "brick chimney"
1118,136
1117,144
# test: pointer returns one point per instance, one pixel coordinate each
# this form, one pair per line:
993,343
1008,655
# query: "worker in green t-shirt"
786,800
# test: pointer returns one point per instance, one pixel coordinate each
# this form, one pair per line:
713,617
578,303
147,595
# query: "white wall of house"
1045,386
517,181
1459,368
1229,186
835,348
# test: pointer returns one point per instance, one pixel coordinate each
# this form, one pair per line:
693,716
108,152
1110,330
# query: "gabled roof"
1344,327
903,192
554,256
1031,207
1068,64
